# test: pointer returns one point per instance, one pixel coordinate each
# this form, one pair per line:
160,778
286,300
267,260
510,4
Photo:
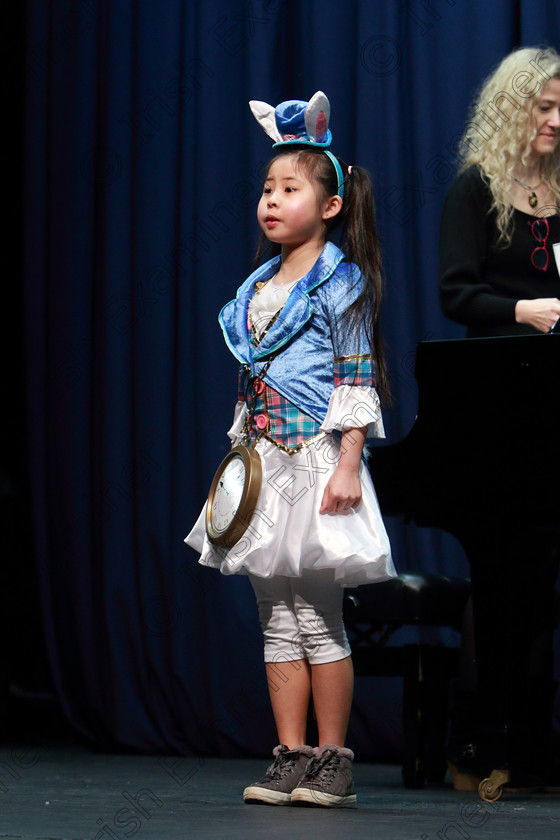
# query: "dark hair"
357,237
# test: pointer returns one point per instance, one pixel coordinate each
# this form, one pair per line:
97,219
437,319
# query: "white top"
267,302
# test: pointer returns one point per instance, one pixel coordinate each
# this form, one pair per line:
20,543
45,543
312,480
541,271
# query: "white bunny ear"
317,115
264,115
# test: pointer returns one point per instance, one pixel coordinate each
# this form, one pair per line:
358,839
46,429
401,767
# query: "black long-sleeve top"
480,281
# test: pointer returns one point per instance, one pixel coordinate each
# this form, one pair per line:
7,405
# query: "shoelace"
281,765
323,768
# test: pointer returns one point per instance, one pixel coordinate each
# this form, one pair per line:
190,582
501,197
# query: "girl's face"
546,119
291,210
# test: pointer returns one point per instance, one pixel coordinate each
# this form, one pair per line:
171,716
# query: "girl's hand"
343,491
344,488
541,313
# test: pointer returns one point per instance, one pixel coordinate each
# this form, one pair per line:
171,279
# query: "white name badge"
556,249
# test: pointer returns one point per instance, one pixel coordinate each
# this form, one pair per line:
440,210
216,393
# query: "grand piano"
485,443
480,462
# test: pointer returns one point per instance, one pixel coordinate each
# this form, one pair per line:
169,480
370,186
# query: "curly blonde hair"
500,129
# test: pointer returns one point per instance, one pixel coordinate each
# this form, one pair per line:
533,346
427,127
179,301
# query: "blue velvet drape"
142,172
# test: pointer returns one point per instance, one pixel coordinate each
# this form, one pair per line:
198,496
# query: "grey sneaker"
327,782
281,777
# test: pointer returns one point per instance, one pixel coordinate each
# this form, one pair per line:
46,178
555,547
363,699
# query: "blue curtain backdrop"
142,173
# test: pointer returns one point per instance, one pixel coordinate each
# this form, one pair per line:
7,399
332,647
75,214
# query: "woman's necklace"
533,200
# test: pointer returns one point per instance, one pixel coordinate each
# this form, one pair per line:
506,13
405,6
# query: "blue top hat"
300,123
296,122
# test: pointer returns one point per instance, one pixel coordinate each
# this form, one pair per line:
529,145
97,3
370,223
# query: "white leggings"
301,618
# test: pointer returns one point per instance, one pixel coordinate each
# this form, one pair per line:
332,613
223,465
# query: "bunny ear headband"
299,123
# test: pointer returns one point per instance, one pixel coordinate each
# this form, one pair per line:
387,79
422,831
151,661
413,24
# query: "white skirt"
288,534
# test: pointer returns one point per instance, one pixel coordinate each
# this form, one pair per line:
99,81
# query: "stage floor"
68,793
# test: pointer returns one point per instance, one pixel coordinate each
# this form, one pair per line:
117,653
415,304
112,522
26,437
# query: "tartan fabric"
287,424
354,370
241,384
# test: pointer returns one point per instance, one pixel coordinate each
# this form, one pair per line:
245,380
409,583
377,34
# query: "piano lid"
486,437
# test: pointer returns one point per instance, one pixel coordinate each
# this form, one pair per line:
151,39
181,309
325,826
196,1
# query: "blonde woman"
498,276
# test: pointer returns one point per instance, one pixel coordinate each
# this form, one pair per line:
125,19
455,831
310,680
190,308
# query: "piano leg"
491,789
513,573
463,716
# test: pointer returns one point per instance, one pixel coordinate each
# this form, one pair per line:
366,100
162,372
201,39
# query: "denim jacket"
308,337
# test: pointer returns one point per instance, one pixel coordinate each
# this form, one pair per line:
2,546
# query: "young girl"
304,328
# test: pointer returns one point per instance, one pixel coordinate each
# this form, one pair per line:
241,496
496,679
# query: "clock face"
228,493
233,496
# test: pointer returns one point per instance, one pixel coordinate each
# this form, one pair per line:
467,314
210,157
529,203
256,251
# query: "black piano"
486,439
481,462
